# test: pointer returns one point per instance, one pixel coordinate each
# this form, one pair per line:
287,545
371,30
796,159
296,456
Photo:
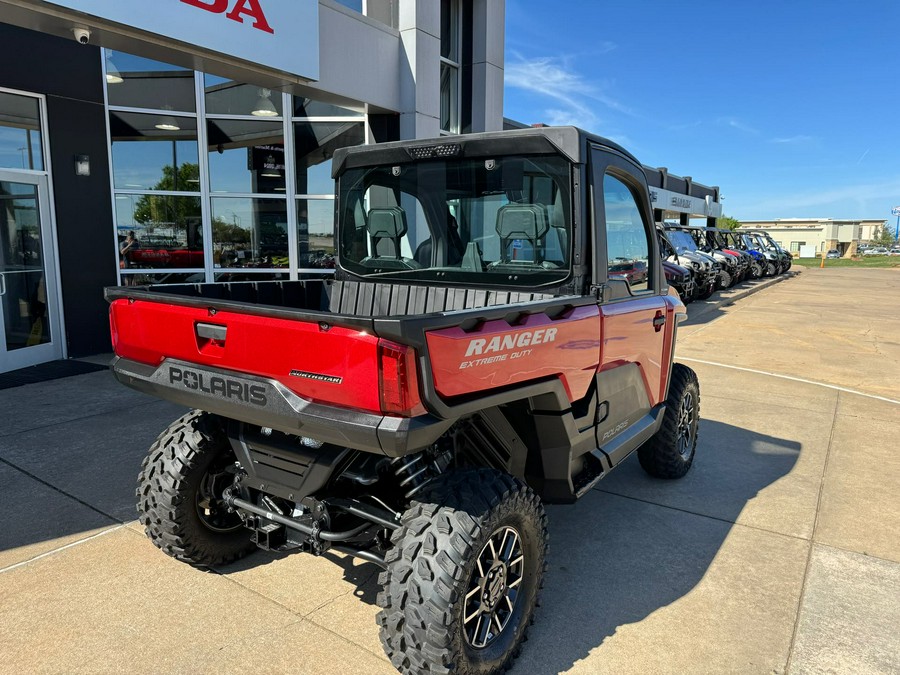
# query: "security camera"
82,35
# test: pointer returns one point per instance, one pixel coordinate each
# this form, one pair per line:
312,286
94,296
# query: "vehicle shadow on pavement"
636,544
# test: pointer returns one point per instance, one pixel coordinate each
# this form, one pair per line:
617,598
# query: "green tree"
153,209
883,236
729,223
223,231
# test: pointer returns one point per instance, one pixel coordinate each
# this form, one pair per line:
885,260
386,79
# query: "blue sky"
792,107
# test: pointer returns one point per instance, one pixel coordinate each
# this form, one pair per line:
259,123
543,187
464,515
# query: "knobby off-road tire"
724,280
756,270
444,578
670,452
176,494
771,270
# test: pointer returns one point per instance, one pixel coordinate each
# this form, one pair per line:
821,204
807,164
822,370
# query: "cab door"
637,317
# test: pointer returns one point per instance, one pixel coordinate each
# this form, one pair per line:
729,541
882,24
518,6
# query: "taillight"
397,382
113,329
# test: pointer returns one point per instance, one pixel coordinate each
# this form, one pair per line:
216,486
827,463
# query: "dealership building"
206,129
818,235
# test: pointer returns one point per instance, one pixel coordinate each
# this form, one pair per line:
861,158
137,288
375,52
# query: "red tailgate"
337,366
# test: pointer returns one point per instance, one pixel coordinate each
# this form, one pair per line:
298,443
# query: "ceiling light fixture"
113,76
264,106
167,122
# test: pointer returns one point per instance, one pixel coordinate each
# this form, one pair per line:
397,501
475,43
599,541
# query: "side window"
627,242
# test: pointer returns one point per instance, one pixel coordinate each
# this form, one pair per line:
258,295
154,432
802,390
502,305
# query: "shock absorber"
414,472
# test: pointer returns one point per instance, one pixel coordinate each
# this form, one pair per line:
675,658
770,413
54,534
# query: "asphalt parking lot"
779,552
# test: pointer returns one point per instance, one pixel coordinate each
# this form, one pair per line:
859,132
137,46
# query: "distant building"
823,234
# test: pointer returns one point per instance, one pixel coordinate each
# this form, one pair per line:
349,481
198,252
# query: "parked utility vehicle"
473,358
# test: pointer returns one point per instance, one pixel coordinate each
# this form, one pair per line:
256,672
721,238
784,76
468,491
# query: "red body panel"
150,332
498,354
630,337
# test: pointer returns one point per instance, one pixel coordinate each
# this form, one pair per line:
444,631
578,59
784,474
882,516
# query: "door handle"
2,285
659,321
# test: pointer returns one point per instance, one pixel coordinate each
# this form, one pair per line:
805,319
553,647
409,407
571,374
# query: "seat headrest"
386,223
522,221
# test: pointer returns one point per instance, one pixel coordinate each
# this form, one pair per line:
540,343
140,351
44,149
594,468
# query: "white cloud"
574,98
846,201
794,140
735,123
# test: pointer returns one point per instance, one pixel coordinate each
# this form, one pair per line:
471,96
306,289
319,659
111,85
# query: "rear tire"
464,575
670,451
179,494
756,270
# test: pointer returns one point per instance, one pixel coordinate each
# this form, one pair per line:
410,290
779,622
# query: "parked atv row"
698,261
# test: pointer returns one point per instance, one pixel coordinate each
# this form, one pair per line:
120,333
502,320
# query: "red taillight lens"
113,329
397,382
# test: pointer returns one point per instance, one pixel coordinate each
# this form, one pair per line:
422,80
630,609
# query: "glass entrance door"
29,302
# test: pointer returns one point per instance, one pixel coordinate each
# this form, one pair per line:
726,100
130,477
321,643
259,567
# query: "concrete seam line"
702,515
61,548
812,541
792,378
42,427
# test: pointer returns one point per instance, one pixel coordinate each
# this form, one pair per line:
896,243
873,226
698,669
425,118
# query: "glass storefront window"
226,97
250,275
315,233
315,143
306,107
146,278
249,232
20,133
147,157
159,231
246,156
136,82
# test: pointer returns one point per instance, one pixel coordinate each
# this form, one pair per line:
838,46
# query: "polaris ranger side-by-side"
498,335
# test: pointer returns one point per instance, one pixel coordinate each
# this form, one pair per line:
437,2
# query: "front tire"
179,494
464,575
670,451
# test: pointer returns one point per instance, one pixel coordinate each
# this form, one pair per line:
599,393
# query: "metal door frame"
56,348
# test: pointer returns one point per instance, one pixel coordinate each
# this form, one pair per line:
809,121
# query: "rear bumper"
268,403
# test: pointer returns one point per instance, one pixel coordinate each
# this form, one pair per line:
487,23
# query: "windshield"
505,220
681,241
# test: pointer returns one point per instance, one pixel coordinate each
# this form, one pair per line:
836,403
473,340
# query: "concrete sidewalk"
779,552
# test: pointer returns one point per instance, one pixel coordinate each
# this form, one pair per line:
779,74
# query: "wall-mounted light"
264,106
82,165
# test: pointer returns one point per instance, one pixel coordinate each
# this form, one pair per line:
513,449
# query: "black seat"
386,228
517,223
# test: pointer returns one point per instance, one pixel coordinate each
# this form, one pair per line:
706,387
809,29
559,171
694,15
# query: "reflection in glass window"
315,233
306,107
249,232
20,133
159,231
226,97
315,143
147,278
250,275
148,157
627,243
142,83
246,156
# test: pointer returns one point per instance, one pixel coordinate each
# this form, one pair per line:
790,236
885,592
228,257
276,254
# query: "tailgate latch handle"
658,321
211,331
